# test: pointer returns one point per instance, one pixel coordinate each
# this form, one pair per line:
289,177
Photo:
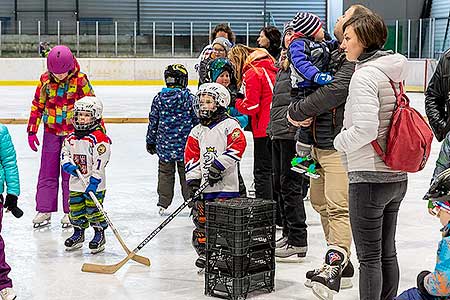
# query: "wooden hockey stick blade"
141,259
106,269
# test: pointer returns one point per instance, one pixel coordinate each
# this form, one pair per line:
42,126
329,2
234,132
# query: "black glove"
151,148
214,175
193,187
420,282
11,205
239,95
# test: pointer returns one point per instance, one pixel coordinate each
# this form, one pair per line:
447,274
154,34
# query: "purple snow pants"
48,182
5,281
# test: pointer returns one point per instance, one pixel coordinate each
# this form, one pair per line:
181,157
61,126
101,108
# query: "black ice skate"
305,165
76,240
97,244
346,279
328,282
200,263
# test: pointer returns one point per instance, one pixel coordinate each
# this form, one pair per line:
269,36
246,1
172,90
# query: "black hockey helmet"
176,76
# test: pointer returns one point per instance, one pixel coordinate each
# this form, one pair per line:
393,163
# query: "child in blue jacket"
9,177
170,121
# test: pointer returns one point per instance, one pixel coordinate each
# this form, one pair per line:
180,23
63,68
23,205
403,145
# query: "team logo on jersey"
235,134
101,149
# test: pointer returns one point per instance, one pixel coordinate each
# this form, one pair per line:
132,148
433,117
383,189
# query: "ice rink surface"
43,270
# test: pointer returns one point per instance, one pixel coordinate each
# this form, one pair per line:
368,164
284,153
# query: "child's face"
207,102
224,79
61,76
288,37
218,51
320,35
84,117
444,216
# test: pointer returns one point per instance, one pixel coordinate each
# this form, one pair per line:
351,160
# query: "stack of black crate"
240,247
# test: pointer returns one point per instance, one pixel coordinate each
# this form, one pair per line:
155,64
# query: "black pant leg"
262,168
166,182
294,188
280,220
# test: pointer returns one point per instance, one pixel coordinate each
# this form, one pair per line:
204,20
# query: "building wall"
392,10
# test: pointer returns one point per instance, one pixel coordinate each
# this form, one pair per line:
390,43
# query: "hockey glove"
33,141
11,205
193,186
323,78
420,282
70,168
214,174
151,148
93,185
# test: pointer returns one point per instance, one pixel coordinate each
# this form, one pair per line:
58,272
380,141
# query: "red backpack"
409,137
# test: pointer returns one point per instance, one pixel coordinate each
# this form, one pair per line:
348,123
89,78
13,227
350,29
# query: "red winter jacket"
258,69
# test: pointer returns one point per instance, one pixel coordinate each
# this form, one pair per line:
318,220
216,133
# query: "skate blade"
313,176
98,250
308,283
40,225
73,248
298,170
291,259
322,292
346,283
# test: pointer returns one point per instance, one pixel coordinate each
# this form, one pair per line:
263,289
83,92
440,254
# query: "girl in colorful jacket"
53,102
9,176
255,75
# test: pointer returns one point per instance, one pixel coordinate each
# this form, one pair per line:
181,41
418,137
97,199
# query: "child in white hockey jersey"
88,150
212,151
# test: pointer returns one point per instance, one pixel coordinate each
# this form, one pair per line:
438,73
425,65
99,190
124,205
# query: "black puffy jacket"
326,104
437,98
279,128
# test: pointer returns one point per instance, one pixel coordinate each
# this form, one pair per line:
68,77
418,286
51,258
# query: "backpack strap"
400,99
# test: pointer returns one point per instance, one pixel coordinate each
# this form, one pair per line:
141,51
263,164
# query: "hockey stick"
111,269
137,258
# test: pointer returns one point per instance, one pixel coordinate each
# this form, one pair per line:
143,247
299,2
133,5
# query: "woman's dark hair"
370,30
225,28
274,36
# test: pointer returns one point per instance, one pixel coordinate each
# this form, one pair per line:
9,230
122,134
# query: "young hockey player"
309,56
171,119
9,176
88,150
436,285
212,151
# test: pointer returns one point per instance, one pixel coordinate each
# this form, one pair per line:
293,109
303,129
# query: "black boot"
346,280
201,261
76,240
328,282
97,244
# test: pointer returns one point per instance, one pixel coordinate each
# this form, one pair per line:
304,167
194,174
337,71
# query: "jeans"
373,217
291,188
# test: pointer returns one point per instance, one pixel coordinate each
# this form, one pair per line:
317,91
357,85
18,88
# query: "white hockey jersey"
91,154
223,144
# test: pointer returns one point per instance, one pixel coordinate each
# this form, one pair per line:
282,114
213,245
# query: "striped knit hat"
306,23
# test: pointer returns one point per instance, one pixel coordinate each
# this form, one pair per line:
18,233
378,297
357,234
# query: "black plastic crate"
240,207
227,287
257,260
239,242
230,221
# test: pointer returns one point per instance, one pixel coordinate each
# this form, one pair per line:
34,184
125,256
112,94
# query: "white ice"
42,269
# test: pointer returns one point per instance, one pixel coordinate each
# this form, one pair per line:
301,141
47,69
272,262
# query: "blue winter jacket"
171,119
9,173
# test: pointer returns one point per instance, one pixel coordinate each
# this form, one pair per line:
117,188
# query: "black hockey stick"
111,269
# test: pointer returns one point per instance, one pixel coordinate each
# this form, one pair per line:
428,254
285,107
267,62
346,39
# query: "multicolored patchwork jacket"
437,283
54,100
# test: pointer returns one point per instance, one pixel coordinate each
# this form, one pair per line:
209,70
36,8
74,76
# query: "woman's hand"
304,123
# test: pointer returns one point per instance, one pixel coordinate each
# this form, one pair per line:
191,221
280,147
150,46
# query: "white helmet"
92,105
218,92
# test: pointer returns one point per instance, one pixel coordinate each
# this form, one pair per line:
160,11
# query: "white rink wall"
147,69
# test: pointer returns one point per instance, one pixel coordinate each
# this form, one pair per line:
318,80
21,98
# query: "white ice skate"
8,294
42,219
65,221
